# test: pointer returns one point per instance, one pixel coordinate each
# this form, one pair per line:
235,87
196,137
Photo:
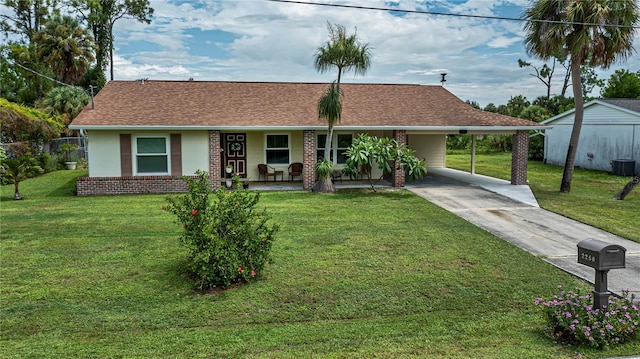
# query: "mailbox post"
602,257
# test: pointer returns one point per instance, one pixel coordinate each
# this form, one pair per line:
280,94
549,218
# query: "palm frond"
330,105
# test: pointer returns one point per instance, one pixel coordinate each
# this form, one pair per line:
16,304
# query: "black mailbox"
601,255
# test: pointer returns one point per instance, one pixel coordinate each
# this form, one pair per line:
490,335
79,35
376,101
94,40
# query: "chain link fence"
79,142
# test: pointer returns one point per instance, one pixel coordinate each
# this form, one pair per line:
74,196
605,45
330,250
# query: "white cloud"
125,69
276,41
503,42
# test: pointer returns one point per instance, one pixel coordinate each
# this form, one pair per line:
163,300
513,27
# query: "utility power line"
486,17
91,87
41,75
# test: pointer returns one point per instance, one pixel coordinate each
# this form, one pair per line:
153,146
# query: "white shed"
610,135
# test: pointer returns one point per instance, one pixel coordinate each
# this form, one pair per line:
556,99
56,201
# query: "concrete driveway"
512,213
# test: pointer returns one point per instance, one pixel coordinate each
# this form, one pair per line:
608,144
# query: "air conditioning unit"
623,167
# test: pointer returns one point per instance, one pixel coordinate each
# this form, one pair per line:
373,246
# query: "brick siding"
215,165
92,186
519,157
308,159
397,175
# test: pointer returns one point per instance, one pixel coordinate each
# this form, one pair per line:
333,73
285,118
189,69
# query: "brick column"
308,158
214,159
519,156
397,175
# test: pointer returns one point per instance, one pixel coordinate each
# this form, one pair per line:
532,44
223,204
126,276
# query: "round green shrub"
227,235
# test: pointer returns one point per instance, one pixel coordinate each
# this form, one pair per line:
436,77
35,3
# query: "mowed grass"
355,275
590,200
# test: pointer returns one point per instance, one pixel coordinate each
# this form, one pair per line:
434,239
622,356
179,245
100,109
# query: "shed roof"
195,104
624,105
629,104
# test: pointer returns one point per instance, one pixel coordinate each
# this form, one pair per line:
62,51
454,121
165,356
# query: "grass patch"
590,200
356,274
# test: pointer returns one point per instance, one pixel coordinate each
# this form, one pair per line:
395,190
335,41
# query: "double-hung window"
343,141
320,148
152,155
277,151
339,145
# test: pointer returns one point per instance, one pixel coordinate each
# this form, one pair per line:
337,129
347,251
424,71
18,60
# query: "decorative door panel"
235,153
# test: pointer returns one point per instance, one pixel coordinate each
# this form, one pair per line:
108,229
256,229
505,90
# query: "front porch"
298,186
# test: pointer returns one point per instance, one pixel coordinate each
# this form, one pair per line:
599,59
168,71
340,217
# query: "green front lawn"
590,200
355,275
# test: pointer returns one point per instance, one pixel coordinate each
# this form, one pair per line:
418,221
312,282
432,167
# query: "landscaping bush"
573,320
536,148
226,234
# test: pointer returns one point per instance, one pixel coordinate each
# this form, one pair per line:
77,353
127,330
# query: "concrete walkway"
512,213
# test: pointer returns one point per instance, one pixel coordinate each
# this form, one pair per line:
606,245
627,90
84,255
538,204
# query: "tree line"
60,49
621,84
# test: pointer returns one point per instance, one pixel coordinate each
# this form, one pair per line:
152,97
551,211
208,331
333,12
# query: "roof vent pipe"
92,104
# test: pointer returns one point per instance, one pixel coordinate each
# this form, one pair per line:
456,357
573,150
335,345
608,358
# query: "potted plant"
68,150
229,168
245,183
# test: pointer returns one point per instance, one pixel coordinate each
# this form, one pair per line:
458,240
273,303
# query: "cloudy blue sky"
258,40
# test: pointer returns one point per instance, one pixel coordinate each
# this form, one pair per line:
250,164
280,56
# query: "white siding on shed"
608,133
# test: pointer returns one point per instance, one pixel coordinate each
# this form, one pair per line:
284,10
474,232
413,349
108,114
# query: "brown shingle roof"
260,104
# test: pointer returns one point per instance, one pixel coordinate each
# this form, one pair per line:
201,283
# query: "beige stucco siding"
256,154
430,147
104,150
195,152
104,153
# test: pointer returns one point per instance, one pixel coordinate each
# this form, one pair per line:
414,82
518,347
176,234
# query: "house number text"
587,257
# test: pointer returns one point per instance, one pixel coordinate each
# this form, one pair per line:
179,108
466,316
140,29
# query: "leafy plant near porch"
382,152
227,236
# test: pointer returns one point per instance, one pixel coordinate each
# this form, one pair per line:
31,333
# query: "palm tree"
345,52
18,169
589,32
65,101
329,108
66,47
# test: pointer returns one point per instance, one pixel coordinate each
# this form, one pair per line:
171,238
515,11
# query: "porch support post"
308,159
397,175
473,154
214,159
519,155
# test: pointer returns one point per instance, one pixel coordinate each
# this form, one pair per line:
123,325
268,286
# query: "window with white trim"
340,143
343,141
277,149
322,138
151,155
